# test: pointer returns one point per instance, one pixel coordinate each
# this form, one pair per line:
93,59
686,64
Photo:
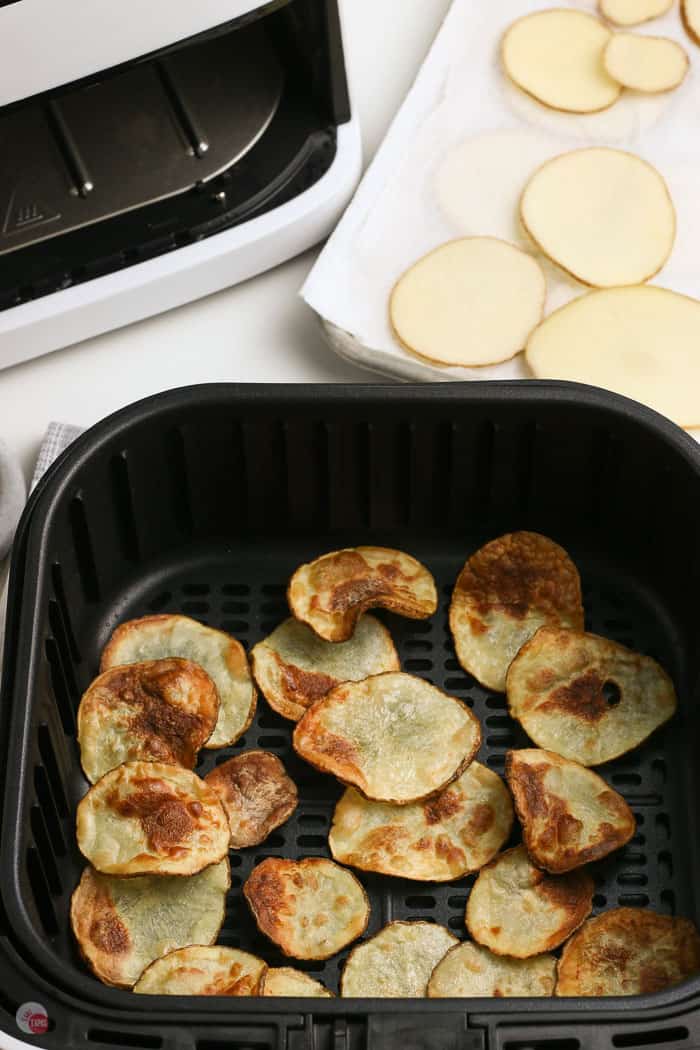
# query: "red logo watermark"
32,1019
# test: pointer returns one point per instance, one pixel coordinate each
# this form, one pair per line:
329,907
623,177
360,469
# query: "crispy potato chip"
448,836
221,656
585,697
122,925
331,593
570,816
293,667
690,17
256,793
515,909
310,908
157,711
286,981
395,737
505,592
148,818
199,970
469,969
627,951
397,962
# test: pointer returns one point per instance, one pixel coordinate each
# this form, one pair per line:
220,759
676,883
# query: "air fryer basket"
203,501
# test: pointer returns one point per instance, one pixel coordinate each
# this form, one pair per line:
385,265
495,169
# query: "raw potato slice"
122,925
604,216
645,63
469,302
285,980
147,818
556,56
450,835
517,910
690,16
628,951
394,737
293,667
332,592
221,656
397,962
469,969
310,908
256,793
634,12
505,592
639,342
585,697
203,971
570,816
157,711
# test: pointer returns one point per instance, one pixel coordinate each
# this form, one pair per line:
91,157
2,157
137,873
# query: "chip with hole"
310,908
507,590
286,981
397,962
221,656
394,737
627,951
470,969
149,818
256,793
570,816
331,593
517,910
200,970
444,838
293,667
585,697
122,925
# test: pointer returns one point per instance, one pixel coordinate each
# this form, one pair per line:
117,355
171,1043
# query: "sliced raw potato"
286,981
585,697
450,835
397,962
331,593
557,57
517,910
645,63
148,818
256,793
570,816
506,591
122,925
690,15
470,969
629,951
293,667
221,656
469,302
201,970
394,737
634,12
310,908
603,215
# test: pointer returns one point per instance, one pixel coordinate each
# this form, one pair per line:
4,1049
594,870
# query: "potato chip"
587,698
256,793
505,592
221,656
448,836
394,737
201,970
397,962
332,592
517,910
469,969
148,818
570,816
293,667
310,908
286,981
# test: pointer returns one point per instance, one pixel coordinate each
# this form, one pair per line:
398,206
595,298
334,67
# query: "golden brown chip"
156,711
293,667
256,793
627,951
505,592
310,908
148,818
587,698
469,969
394,737
448,836
517,910
332,592
285,980
397,962
570,816
201,970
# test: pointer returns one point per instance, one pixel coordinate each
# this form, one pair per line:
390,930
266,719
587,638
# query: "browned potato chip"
256,793
469,969
198,970
397,962
287,981
690,16
332,592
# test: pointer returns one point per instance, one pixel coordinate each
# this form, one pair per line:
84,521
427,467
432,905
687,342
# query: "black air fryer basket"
203,501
